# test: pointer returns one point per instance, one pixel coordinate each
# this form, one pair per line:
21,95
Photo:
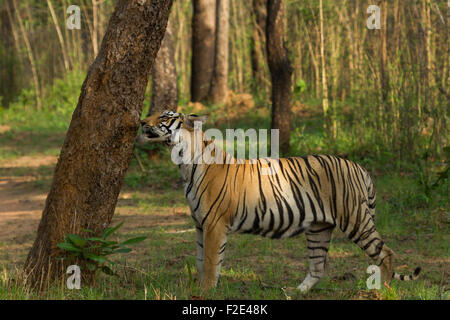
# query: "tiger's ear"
189,119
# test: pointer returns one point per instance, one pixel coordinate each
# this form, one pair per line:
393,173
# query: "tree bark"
219,83
203,46
99,143
164,77
280,70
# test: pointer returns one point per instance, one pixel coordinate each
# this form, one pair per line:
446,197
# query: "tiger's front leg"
214,244
199,239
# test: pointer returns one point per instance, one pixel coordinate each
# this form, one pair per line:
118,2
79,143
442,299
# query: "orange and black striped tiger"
311,194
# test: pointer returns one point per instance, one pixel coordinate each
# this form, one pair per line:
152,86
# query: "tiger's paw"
207,284
303,287
308,283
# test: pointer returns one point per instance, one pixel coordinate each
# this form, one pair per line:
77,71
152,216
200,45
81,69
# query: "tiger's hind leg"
365,235
380,253
318,239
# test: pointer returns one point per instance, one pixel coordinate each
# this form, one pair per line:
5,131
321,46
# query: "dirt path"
20,204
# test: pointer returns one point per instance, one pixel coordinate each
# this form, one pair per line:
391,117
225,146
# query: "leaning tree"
99,143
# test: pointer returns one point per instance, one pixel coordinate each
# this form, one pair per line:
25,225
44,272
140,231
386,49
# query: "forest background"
376,96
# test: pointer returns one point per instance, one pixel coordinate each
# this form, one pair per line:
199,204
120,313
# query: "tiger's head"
165,127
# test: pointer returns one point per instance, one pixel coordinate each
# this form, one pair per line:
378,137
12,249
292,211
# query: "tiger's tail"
410,277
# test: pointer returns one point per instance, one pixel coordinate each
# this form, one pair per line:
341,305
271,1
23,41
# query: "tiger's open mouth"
150,134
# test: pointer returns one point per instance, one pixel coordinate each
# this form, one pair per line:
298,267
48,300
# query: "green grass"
412,221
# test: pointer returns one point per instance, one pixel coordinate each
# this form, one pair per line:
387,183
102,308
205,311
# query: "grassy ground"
412,220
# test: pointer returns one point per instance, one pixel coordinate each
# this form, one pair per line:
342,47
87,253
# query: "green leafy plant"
299,88
93,251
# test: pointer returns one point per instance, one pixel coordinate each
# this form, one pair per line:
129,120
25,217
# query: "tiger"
310,194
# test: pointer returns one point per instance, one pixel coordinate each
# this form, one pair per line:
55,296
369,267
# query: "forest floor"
163,266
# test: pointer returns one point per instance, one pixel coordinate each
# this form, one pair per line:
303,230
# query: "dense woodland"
389,87
321,71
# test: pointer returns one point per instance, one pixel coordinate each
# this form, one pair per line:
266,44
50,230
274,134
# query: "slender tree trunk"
101,19
343,17
335,61
258,39
182,51
236,40
13,28
30,56
91,33
60,36
95,27
242,42
313,60
280,70
219,83
203,45
324,73
67,37
99,143
427,35
383,70
11,60
387,115
298,47
164,77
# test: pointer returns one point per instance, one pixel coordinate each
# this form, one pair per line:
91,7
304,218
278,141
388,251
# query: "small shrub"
93,251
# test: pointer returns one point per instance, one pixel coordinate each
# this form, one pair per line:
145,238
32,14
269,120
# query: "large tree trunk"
280,70
164,77
100,140
203,46
219,84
